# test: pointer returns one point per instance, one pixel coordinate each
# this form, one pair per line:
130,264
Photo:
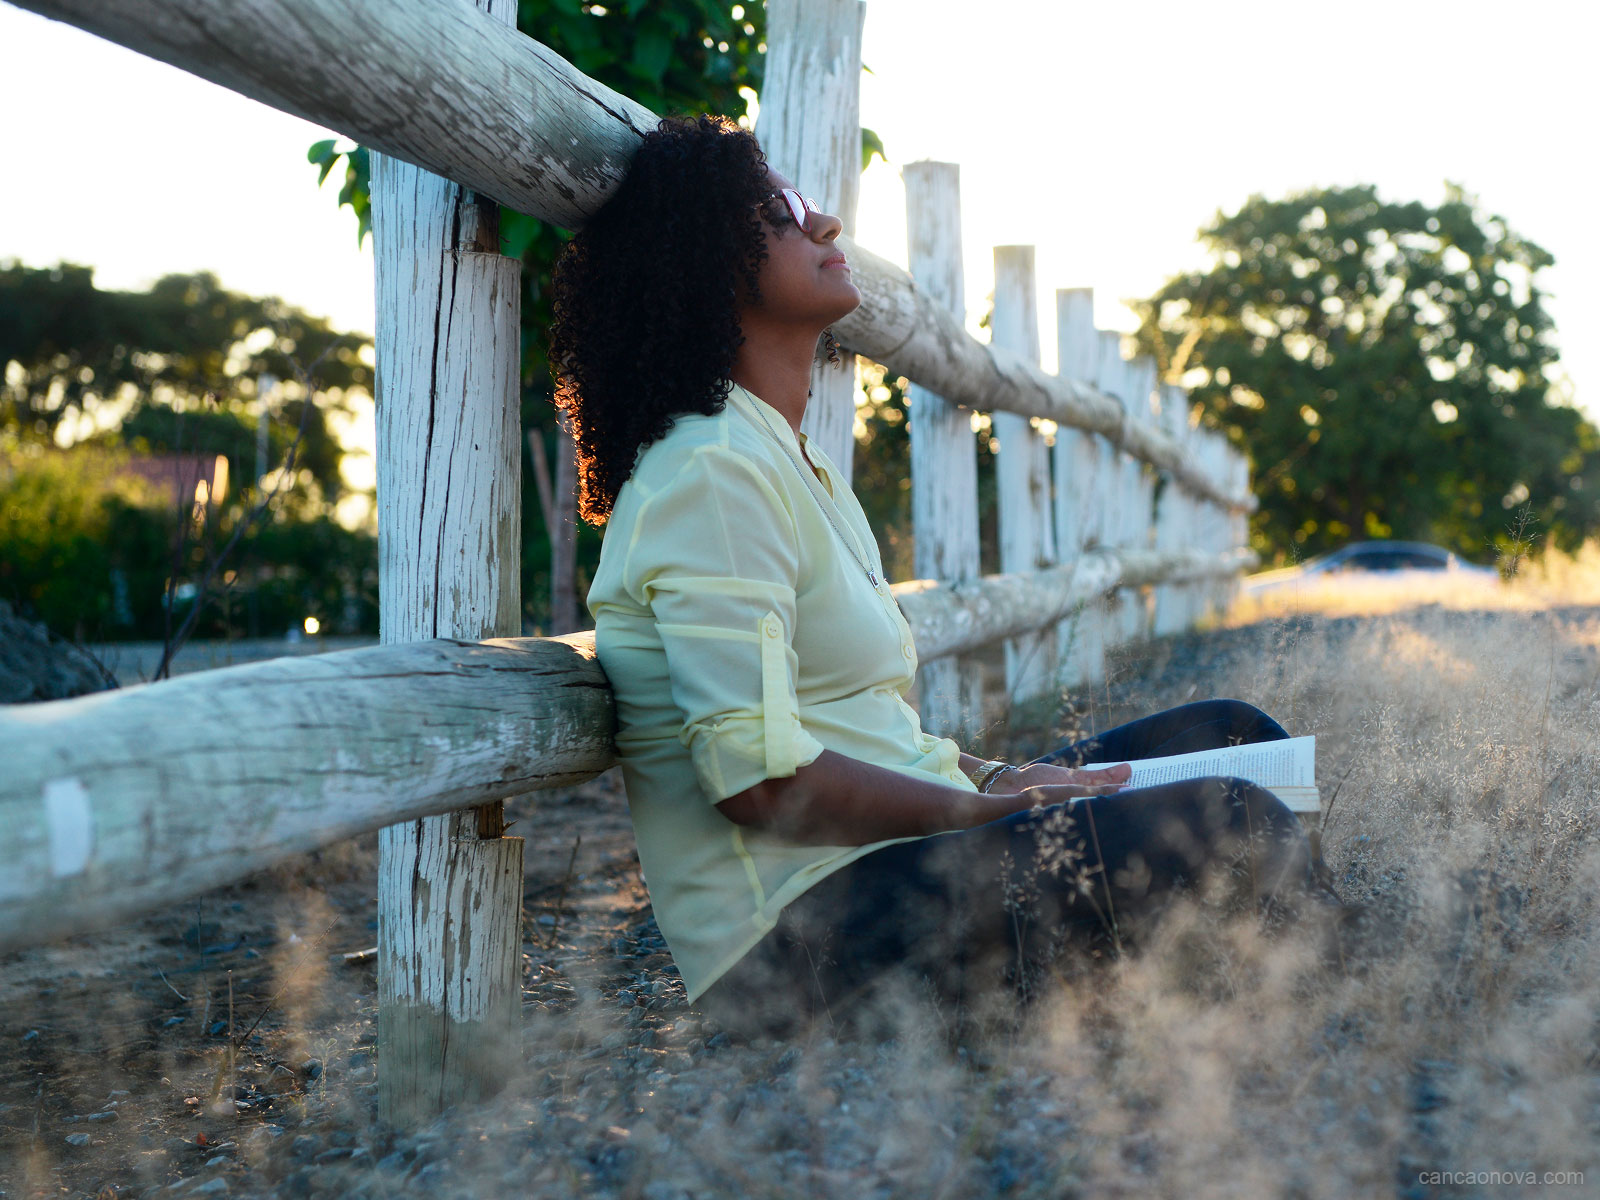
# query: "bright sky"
1103,134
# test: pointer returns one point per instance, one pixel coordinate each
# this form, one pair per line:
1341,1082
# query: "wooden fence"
1120,522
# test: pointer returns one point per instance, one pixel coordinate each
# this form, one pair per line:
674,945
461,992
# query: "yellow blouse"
742,639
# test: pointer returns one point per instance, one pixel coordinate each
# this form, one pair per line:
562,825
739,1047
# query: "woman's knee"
1248,809
1247,723
1267,832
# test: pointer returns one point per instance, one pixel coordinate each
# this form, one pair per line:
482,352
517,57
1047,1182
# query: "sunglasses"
800,207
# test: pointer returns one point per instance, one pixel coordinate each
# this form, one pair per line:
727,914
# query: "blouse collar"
779,422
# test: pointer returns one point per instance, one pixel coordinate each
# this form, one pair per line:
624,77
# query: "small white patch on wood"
69,823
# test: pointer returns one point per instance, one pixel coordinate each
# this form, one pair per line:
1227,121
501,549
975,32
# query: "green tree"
174,368
89,549
1387,367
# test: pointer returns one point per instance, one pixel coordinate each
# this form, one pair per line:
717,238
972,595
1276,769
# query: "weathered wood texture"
1111,375
449,455
1236,531
944,454
450,965
1022,468
451,90
1174,518
133,799
1138,495
952,620
809,126
558,502
1079,489
449,461
564,599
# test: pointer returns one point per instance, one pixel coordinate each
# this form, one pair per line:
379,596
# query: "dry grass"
1459,746
1553,580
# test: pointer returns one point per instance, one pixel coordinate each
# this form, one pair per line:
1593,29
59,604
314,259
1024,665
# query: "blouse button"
906,650
772,629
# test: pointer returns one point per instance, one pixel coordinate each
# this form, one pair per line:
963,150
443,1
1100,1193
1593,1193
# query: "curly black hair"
646,297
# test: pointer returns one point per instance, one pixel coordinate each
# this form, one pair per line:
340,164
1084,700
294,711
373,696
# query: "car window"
1383,558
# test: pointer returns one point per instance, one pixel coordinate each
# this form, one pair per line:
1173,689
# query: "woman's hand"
1071,781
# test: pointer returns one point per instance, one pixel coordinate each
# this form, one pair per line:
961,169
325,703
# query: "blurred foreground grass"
1458,756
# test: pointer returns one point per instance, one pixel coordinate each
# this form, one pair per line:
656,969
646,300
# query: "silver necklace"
811,486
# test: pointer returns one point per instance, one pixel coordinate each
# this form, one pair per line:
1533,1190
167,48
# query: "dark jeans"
978,911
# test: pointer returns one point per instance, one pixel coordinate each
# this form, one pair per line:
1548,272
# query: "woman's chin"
849,305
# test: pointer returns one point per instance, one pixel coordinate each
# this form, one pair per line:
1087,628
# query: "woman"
800,834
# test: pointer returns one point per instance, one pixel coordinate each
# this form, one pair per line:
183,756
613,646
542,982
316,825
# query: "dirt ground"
225,1046
142,1055
133,1057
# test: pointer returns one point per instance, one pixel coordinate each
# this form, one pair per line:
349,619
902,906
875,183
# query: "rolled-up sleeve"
715,557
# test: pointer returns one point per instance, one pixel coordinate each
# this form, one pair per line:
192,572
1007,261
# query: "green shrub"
70,525
89,551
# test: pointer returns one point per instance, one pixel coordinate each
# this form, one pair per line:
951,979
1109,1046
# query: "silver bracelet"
989,782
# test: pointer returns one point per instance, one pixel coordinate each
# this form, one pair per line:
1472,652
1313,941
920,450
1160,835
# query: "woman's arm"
840,801
1021,778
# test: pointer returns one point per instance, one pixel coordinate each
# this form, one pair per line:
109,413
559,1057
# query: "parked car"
1376,563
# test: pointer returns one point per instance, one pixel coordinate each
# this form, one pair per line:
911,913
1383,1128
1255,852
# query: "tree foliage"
69,526
173,368
86,545
1387,367
88,548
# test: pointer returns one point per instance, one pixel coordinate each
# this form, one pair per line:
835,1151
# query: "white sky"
1103,134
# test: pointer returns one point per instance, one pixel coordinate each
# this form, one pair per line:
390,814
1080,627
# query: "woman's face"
805,279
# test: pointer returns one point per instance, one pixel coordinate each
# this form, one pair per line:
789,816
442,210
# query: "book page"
1284,763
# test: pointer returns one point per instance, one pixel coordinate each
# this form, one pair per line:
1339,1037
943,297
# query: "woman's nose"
825,227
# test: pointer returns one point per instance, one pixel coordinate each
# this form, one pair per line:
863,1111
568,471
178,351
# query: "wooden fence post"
450,502
1080,498
1214,522
944,457
1027,536
810,129
1192,512
1111,377
564,537
1135,605
1238,523
1170,518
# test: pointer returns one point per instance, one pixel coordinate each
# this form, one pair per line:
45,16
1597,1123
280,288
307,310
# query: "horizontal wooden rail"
129,800
441,85
953,619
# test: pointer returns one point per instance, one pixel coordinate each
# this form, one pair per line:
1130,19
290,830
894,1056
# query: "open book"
1286,768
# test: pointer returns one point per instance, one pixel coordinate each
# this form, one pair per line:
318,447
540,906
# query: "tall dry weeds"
1457,749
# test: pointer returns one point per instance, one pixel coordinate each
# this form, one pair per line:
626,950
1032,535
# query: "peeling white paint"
69,822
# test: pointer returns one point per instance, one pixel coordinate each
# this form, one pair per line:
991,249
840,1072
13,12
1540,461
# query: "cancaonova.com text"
1501,1178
